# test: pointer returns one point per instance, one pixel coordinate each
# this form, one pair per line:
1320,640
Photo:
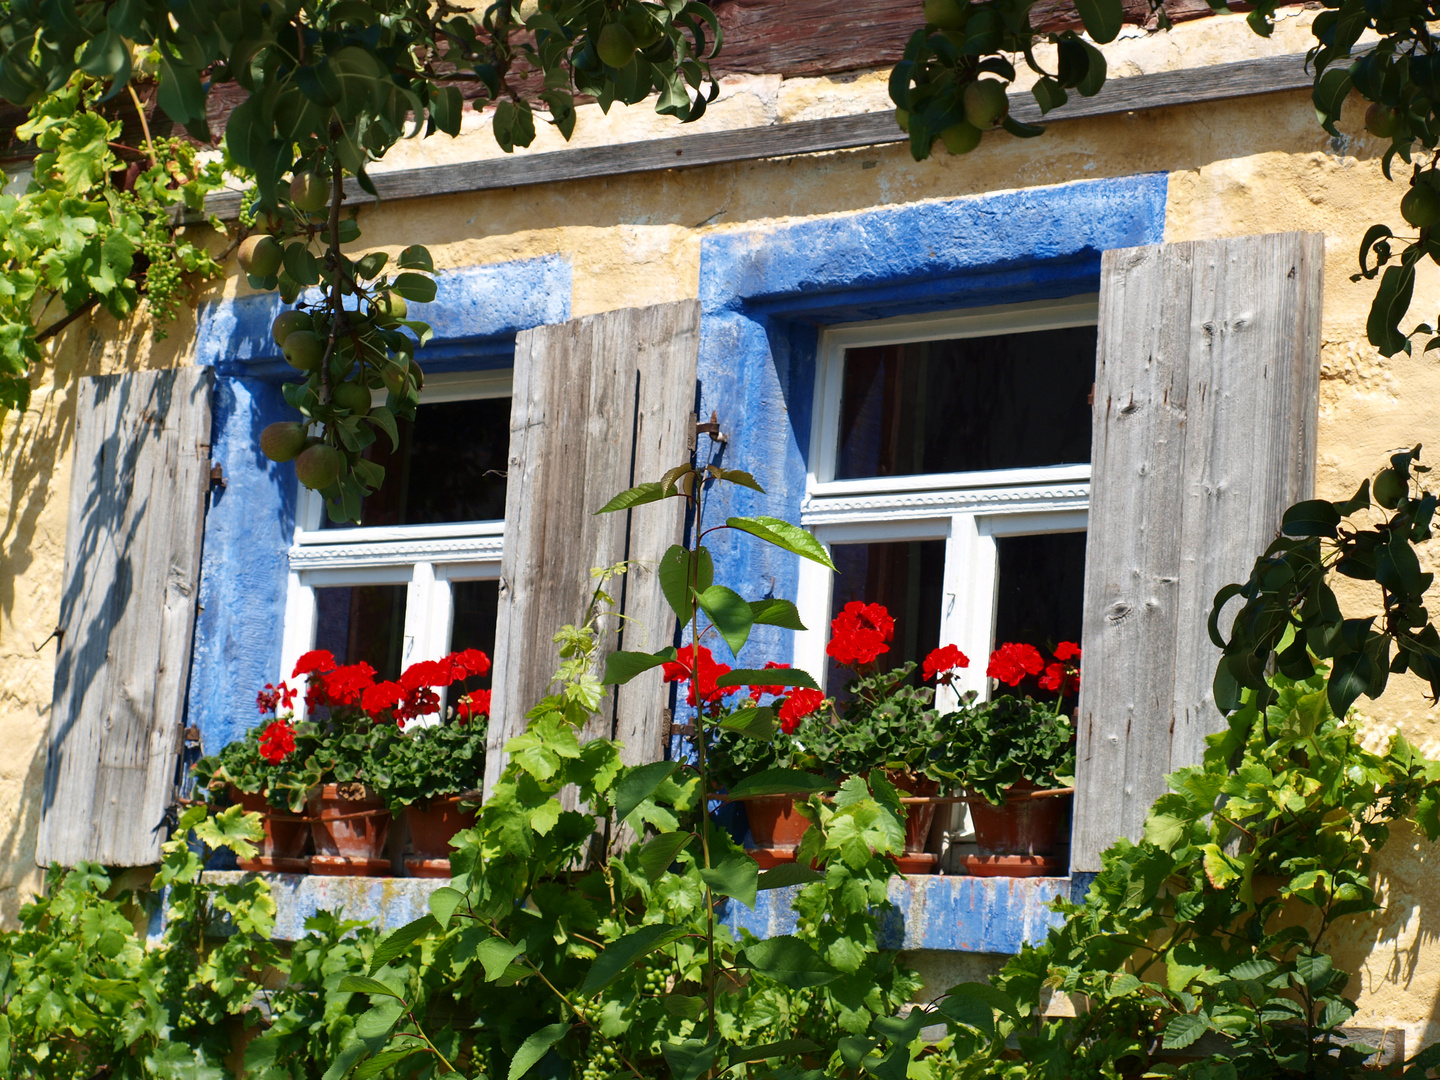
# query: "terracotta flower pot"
349,825
432,827
918,819
774,821
282,850
1020,837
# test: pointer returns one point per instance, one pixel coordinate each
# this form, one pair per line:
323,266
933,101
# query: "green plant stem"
144,124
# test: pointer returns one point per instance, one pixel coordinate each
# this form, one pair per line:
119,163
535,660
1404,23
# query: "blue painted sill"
954,914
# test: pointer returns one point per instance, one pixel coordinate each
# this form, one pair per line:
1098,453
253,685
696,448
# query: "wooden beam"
1217,82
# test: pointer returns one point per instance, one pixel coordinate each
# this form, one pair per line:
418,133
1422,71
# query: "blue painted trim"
475,316
951,914
251,520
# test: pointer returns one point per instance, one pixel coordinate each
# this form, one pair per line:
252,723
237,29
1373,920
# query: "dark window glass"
362,622
450,466
1041,590
907,578
969,404
476,606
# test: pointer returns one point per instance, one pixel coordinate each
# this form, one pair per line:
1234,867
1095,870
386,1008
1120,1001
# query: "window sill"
931,912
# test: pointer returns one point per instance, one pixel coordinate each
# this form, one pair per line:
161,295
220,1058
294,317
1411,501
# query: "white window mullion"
299,633
812,600
968,606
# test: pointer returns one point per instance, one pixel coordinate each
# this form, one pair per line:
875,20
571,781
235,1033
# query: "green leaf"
679,569
385,1060
444,903
690,1059
730,614
1102,18
639,784
757,723
534,1048
620,955
639,495
416,257
448,109
360,984
784,535
767,677
621,666
1049,94
378,1021
684,1005
787,1048
1183,1030
1314,517
738,476
779,782
788,961
1392,301
656,855
775,612
1314,969
786,875
416,287
232,828
735,877
497,954
398,942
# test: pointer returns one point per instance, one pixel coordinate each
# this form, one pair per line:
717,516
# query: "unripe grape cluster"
603,1062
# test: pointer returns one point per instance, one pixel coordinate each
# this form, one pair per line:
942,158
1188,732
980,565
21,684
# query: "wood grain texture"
1167,88
599,403
1206,395
132,565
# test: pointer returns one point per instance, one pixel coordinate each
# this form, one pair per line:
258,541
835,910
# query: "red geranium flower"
943,662
277,742
469,662
475,703
344,685
1013,661
859,633
316,661
381,696
800,704
1061,679
426,673
1067,650
756,692
418,702
274,698
683,667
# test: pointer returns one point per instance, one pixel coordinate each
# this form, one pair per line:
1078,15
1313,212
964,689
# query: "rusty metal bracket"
217,475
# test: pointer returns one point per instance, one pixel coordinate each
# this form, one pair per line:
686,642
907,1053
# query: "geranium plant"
431,761
993,745
737,751
276,758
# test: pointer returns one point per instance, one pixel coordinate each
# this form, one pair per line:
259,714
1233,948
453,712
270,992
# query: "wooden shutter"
138,489
600,404
1206,388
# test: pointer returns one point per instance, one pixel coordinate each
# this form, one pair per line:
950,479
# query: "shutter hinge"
710,427
217,475
192,735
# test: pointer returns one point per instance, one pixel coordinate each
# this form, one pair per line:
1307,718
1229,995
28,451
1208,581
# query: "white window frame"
426,559
969,511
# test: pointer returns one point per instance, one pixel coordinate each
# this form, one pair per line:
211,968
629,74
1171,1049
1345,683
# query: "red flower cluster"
704,673
1061,677
277,742
942,663
860,633
1011,662
314,662
475,703
414,695
756,692
800,704
274,698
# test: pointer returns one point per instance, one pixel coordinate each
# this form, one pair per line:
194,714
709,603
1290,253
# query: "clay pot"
774,822
1019,838
282,850
432,827
918,816
349,825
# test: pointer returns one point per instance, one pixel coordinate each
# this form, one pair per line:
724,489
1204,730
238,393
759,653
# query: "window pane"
476,606
1009,401
1041,592
907,578
450,466
362,622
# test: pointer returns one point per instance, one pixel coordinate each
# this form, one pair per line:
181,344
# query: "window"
419,576
949,479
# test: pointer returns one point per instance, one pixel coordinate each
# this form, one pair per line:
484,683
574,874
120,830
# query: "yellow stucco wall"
1250,166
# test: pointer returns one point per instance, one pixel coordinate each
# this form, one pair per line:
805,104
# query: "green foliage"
883,722
77,236
992,745
285,783
430,762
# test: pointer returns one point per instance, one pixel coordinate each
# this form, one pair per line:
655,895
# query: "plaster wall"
1254,165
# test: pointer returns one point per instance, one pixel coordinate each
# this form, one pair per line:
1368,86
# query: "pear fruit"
318,466
309,193
1421,206
616,45
985,103
304,349
1381,120
390,308
287,322
260,255
960,138
946,14
282,441
352,396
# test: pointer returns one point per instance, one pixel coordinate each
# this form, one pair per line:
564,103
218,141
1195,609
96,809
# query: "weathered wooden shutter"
1206,390
138,488
600,404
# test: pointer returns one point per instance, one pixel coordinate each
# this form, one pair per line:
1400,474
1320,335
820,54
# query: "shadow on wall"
20,878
